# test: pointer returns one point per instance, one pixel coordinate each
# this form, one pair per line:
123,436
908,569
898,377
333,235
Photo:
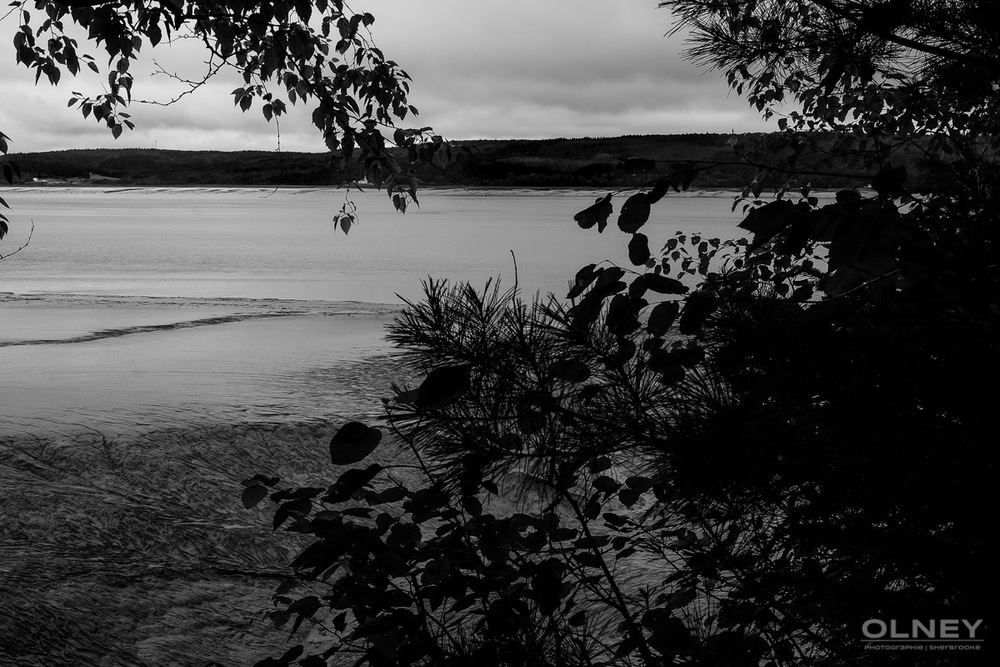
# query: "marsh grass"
136,549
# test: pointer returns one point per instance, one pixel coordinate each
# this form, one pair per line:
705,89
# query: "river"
158,346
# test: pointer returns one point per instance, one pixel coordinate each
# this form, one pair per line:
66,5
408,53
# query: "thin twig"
213,69
32,231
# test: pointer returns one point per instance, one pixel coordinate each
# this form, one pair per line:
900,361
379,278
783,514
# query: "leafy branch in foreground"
319,53
10,170
737,452
689,463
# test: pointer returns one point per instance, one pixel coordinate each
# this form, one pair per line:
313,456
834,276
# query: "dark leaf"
399,203
629,644
637,288
588,309
305,608
596,214
564,534
444,385
286,587
628,496
605,484
626,348
667,366
584,277
660,188
307,492
638,249
639,483
664,285
634,213
353,442
472,505
253,495
351,481
662,316
851,197
266,480
697,308
607,282
599,464
769,220
294,652
622,318
802,293
588,393
889,180
390,495
681,598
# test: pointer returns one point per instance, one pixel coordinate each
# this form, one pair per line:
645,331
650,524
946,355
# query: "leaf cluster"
886,77
10,170
731,453
735,452
287,51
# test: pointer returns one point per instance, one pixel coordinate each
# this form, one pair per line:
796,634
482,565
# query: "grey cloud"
483,69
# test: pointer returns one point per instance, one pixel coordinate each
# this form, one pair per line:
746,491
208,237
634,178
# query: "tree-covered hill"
165,167
586,162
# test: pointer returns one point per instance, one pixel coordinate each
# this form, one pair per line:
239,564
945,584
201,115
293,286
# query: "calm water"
159,346
254,244
138,307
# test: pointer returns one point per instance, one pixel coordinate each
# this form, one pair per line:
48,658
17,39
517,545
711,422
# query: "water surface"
254,243
139,306
158,346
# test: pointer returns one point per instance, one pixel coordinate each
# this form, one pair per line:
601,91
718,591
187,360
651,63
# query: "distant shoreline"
585,163
430,187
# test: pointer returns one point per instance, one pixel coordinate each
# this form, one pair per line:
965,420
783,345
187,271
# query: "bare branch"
193,85
25,245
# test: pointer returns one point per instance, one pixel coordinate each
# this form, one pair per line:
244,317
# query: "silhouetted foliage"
738,452
9,170
296,51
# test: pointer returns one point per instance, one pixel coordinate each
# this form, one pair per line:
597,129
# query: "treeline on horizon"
585,162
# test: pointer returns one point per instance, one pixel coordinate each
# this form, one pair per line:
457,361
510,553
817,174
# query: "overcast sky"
481,69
